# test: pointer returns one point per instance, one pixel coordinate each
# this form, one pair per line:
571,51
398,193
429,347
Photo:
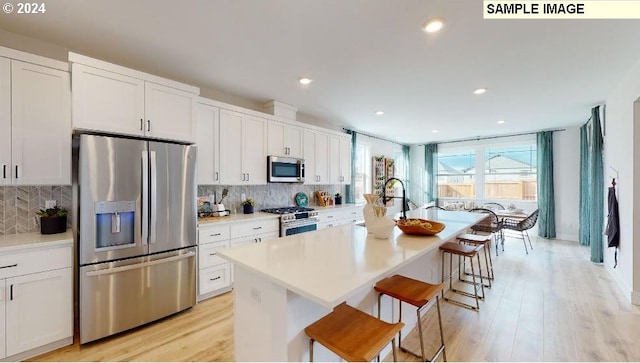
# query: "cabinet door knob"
247,176
141,124
4,171
217,176
215,278
148,125
16,171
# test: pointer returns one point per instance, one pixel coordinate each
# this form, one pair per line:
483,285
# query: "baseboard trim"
634,297
40,350
567,237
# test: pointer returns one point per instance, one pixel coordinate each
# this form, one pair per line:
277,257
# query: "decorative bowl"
418,226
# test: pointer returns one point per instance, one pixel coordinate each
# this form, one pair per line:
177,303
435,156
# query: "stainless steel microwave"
285,170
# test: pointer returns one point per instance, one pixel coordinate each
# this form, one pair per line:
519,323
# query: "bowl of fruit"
418,226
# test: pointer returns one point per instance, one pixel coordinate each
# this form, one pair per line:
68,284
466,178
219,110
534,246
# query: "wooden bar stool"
418,294
352,334
463,251
485,242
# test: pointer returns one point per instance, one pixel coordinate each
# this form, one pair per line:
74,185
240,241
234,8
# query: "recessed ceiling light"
305,81
480,91
434,131
433,25
501,121
379,113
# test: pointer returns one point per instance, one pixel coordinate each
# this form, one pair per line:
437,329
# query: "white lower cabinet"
36,301
38,310
215,274
339,216
214,278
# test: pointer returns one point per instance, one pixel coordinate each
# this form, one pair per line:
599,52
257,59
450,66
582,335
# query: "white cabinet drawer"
214,278
207,254
213,234
28,262
253,228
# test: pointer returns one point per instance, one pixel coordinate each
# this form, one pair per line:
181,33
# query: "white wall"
566,180
620,154
416,173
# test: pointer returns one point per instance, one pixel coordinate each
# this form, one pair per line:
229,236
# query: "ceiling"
363,56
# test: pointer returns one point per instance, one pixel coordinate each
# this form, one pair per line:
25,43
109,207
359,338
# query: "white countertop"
329,265
14,242
233,218
320,208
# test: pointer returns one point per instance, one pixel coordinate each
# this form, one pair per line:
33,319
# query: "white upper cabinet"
339,159
5,121
284,139
243,149
113,99
107,101
35,111
254,145
316,156
168,112
207,141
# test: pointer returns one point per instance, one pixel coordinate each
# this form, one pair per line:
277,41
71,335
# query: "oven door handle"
306,222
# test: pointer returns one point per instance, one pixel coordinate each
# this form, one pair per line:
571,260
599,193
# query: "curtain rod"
495,137
348,131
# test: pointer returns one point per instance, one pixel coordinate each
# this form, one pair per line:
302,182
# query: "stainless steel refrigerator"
136,233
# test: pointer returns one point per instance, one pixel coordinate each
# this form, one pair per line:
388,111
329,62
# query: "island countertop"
329,265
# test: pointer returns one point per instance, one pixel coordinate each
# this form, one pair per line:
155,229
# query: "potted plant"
248,205
53,220
338,199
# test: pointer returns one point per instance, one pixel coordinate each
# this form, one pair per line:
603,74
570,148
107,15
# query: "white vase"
382,227
367,212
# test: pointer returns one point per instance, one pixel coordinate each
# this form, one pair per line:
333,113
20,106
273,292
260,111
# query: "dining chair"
492,225
522,226
493,206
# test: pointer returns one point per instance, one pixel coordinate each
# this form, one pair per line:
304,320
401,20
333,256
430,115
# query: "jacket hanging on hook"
613,223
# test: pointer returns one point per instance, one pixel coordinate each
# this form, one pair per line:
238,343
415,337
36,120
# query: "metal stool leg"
444,352
310,350
475,286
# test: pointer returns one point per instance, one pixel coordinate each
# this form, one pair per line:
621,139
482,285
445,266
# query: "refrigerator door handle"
145,197
153,196
114,270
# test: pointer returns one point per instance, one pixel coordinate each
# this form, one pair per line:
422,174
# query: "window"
456,174
490,171
510,173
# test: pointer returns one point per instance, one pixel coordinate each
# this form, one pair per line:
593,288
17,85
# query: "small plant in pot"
53,220
338,199
248,205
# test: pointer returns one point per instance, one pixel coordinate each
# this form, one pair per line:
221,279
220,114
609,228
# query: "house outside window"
456,174
504,170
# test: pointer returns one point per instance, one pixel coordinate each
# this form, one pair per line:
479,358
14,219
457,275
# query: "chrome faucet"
404,196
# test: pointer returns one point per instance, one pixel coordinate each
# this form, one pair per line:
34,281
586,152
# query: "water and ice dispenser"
115,224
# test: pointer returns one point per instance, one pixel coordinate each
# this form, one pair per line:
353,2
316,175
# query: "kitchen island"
285,284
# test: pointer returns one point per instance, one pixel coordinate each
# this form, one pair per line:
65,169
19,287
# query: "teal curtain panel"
431,170
583,234
596,179
546,195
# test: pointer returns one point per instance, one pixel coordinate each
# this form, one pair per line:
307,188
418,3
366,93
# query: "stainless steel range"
294,220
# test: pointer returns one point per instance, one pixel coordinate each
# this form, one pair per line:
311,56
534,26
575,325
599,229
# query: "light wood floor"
550,305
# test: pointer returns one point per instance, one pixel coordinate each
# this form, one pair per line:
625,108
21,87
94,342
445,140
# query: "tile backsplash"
267,196
19,205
